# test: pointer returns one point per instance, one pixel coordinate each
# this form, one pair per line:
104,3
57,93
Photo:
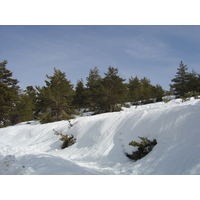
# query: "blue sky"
146,51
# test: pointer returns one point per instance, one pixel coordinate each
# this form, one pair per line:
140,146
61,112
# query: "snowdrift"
102,140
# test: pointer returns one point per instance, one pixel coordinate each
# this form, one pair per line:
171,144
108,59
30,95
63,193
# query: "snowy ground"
32,148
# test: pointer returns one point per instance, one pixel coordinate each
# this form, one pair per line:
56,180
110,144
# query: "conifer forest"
59,99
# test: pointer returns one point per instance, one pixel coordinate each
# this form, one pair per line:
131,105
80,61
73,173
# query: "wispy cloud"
146,48
33,51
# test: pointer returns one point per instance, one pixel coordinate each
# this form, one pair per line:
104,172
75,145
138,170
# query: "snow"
102,140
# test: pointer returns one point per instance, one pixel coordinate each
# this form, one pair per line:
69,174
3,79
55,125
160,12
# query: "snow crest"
102,140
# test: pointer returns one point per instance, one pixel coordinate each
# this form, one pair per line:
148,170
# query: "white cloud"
146,48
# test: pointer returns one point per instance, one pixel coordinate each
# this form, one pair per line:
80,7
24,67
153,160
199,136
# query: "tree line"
60,100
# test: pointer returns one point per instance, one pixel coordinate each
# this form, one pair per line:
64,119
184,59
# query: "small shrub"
144,147
165,100
188,95
70,124
67,140
126,105
147,101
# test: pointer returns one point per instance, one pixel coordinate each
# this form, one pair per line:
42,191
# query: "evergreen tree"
32,93
24,109
113,91
93,88
146,89
55,99
194,82
142,90
180,86
134,90
8,95
80,98
157,92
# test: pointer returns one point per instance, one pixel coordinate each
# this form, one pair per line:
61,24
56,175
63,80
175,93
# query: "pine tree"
93,88
146,89
55,99
134,90
194,82
8,95
142,90
180,86
157,92
24,109
80,98
113,91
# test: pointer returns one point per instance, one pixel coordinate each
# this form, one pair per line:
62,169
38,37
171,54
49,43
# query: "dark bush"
67,140
144,147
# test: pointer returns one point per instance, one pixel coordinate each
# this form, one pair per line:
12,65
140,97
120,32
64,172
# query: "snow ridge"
102,140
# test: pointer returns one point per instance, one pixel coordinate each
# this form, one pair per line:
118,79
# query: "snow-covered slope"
32,148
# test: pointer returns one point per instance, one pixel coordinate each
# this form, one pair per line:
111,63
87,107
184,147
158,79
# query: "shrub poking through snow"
67,140
188,95
165,100
144,147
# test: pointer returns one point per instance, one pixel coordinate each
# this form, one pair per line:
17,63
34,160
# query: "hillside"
102,140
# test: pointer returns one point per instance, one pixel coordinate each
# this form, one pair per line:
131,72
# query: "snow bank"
9,165
103,139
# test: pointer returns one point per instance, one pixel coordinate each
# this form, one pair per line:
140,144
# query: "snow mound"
9,166
102,141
